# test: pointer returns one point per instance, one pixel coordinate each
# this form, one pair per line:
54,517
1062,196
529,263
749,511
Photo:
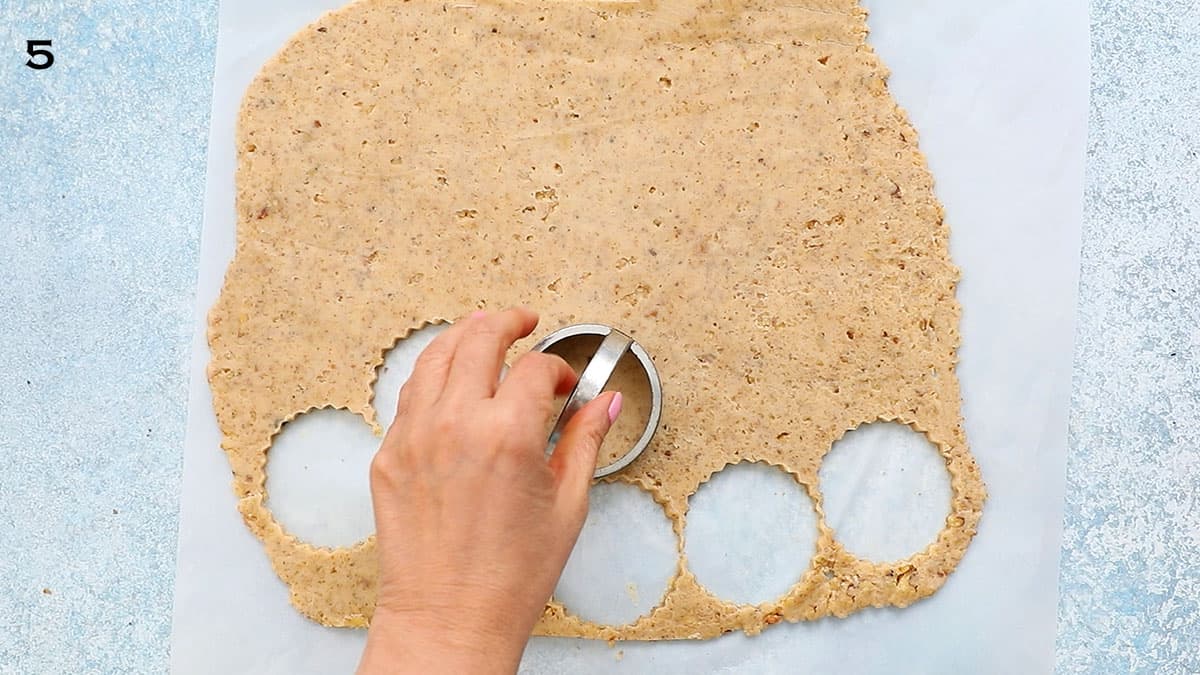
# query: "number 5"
30,47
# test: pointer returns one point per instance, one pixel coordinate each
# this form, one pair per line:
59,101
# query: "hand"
474,525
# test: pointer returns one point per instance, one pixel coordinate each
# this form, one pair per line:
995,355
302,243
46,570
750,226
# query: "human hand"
473,524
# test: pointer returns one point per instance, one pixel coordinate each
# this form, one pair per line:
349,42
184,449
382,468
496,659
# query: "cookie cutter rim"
593,380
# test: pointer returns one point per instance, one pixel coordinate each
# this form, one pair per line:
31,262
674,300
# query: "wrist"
427,642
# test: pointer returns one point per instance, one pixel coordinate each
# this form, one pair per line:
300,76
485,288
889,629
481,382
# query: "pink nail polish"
614,408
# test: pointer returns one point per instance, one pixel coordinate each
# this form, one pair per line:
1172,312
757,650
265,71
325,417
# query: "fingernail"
478,314
614,408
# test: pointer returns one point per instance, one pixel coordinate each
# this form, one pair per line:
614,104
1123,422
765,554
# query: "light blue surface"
101,180
102,161
1130,571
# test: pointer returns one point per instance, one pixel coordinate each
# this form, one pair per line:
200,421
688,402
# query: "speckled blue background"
102,161
1130,571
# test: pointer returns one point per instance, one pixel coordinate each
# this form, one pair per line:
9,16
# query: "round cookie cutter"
595,376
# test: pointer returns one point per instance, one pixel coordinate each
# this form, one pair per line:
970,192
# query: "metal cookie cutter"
596,375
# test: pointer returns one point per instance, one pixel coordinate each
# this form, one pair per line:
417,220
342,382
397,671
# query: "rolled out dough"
730,182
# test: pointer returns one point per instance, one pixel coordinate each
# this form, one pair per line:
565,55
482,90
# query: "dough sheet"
729,182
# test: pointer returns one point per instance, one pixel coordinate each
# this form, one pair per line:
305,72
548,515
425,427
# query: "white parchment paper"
998,92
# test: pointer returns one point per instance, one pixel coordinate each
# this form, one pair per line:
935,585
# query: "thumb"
574,458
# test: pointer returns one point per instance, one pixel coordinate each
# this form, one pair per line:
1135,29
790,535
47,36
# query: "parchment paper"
998,92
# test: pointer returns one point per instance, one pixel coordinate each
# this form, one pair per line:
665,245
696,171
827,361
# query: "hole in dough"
628,378
624,558
751,533
397,368
886,491
318,477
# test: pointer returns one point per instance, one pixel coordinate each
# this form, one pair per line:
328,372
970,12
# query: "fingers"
479,354
432,367
574,458
535,379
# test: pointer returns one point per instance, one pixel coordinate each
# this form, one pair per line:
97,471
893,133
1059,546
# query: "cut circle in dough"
317,482
885,491
750,550
624,558
731,183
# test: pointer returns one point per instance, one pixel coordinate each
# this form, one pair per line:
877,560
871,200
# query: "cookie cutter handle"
591,381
